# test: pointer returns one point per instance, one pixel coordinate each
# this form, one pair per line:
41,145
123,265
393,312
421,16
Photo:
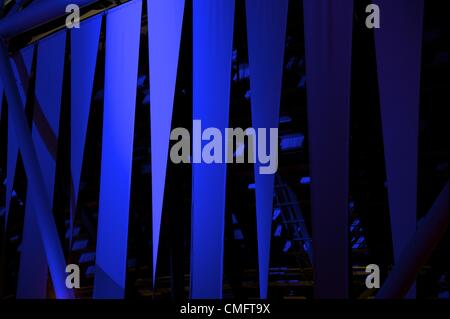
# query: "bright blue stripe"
165,20
213,23
123,27
84,49
266,25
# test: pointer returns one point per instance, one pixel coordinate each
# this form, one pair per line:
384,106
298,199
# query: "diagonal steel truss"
44,218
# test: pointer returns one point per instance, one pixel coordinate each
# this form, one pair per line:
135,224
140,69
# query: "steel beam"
44,216
36,14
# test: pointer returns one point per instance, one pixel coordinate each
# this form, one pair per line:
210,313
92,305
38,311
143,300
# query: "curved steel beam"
431,229
36,14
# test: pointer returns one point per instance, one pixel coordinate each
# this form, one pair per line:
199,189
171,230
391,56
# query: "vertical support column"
328,36
399,50
123,30
165,21
266,32
84,59
213,24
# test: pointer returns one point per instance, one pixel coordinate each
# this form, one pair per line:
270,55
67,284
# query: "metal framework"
46,223
36,14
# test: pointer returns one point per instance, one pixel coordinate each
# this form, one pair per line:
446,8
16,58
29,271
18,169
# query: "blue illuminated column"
328,42
123,25
165,20
84,49
213,23
266,27
399,65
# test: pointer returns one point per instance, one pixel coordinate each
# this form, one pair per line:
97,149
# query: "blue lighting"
276,213
121,71
285,119
305,180
292,141
87,257
213,23
287,246
79,245
278,231
238,234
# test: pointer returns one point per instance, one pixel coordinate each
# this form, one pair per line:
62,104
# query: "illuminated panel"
165,20
266,28
123,26
84,48
213,23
